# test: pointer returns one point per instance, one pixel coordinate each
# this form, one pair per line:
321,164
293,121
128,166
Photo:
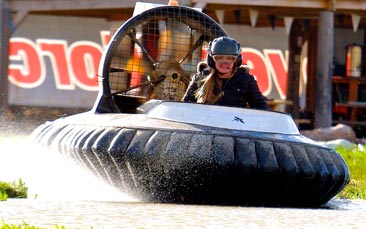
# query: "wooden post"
293,82
4,55
323,76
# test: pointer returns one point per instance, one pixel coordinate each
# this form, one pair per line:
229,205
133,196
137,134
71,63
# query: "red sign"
76,65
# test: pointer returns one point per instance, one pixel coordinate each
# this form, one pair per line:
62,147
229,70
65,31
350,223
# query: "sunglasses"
224,58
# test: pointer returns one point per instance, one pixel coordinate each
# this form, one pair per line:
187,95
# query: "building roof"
233,12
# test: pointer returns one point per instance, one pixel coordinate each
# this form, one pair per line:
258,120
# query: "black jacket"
241,90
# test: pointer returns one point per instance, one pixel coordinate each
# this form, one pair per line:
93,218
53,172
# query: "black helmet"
224,46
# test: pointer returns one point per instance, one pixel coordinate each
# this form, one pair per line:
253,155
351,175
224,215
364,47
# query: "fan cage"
154,54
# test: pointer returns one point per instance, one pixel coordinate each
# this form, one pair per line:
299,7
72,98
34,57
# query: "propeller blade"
198,43
115,69
130,34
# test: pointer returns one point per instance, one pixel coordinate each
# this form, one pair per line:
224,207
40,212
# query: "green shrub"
15,189
3,196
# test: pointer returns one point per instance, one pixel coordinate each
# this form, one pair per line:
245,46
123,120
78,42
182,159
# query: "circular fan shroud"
154,54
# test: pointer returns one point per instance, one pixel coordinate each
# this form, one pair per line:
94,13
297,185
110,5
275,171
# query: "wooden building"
313,21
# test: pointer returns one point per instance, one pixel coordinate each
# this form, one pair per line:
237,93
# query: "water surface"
64,194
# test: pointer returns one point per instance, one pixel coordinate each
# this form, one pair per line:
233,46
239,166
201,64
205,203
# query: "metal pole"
4,55
323,76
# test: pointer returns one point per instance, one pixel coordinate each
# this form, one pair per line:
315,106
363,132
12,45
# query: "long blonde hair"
205,94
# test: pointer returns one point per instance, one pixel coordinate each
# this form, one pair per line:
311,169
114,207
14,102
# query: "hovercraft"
142,140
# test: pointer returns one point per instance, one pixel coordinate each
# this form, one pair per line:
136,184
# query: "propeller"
198,43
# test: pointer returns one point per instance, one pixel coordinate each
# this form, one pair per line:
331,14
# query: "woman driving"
222,80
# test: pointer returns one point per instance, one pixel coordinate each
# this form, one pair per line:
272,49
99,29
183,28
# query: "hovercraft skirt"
200,168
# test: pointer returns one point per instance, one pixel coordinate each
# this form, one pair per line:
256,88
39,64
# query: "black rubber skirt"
201,168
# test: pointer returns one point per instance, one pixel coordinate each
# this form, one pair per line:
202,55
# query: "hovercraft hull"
156,158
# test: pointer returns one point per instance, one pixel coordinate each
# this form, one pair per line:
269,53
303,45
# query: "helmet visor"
224,58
